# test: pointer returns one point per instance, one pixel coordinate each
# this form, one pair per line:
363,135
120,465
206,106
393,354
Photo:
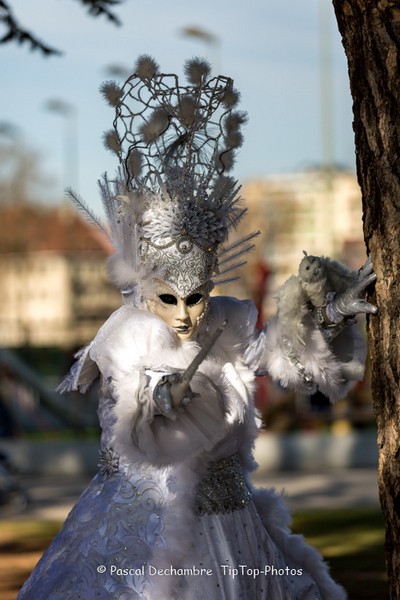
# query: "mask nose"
182,311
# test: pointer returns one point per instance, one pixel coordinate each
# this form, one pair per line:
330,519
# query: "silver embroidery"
108,462
223,489
185,265
295,362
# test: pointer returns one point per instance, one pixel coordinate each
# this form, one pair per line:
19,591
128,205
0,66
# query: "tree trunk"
371,37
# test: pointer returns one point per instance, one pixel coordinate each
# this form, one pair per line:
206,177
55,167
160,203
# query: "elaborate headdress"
172,205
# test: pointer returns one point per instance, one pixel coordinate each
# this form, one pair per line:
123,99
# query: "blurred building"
318,212
55,292
54,286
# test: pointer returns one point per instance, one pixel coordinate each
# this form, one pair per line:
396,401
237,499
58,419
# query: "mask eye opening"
168,299
194,299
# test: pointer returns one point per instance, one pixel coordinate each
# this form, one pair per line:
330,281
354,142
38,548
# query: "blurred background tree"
21,177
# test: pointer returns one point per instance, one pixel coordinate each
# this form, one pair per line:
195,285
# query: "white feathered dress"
171,515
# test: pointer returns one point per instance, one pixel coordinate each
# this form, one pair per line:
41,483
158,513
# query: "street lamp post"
208,38
327,129
118,71
18,186
71,164
326,91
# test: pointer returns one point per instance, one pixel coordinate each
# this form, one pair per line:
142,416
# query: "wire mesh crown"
161,124
172,205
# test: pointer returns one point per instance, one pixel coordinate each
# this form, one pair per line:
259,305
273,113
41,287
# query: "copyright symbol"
101,569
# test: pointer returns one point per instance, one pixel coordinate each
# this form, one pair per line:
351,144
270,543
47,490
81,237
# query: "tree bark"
371,38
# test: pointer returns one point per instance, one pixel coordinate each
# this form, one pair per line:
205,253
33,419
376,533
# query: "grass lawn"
350,540
21,545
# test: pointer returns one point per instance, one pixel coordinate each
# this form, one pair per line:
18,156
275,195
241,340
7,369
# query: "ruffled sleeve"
312,362
132,352
297,354
199,426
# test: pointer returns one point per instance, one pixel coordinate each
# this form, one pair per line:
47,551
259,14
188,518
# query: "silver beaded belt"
223,489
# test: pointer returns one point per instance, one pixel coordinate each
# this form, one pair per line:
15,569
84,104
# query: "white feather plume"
126,269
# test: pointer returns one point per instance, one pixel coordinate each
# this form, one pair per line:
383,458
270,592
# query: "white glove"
350,302
171,393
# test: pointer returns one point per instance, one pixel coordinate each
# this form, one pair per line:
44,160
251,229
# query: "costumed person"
172,514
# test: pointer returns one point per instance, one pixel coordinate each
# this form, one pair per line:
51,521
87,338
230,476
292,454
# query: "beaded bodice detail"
223,489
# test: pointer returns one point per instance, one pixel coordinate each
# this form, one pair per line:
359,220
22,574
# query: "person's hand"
171,393
351,302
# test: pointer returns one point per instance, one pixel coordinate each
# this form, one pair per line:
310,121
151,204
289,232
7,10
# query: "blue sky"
271,48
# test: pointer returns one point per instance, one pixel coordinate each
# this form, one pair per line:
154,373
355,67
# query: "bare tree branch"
102,7
14,32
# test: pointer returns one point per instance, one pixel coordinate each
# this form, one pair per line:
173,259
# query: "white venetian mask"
184,315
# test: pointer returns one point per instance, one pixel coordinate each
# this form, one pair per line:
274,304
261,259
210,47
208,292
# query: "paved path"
330,489
53,497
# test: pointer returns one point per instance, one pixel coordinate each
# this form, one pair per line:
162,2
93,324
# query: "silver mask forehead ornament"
172,204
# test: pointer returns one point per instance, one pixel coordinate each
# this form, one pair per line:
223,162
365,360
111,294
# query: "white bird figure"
320,275
317,277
